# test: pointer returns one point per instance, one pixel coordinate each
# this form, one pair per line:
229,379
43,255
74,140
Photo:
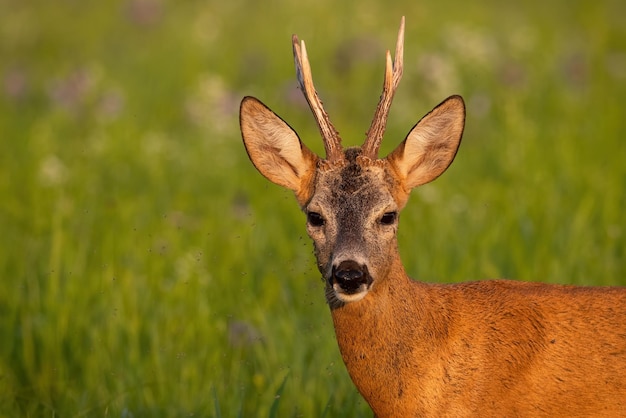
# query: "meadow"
148,270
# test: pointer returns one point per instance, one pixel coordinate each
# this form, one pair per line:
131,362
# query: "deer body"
491,348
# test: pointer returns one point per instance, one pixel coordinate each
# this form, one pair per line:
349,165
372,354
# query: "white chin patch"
350,297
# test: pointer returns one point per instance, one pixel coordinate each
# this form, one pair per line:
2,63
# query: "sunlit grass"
148,270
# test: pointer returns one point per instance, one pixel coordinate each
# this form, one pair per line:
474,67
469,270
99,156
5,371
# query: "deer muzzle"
350,277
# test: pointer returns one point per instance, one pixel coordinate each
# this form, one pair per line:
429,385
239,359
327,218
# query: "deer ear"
431,145
274,147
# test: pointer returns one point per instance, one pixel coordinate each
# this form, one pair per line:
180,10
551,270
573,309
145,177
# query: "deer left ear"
275,149
431,145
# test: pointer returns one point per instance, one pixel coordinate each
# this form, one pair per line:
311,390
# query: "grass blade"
279,392
218,412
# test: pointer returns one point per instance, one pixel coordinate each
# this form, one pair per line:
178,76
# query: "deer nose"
350,276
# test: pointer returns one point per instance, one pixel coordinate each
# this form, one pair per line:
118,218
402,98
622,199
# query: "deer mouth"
350,280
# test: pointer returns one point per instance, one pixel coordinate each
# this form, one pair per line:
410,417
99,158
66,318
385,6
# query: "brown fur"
482,349
491,348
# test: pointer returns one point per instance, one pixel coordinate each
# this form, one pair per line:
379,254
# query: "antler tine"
393,74
332,141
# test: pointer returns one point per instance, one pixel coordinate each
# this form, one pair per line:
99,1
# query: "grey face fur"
352,219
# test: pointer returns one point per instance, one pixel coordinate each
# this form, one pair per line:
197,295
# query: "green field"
147,270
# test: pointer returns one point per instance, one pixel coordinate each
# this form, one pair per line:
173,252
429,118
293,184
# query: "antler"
393,74
332,141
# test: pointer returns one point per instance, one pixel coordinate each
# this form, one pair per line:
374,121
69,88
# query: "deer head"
352,198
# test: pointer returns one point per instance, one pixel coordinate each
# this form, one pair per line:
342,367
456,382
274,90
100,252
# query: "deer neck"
372,335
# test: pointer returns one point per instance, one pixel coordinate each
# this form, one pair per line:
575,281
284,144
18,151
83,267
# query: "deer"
501,348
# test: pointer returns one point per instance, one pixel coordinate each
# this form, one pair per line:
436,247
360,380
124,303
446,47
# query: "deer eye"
315,219
389,218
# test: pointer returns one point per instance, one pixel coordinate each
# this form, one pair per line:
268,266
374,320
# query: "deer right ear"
274,147
430,147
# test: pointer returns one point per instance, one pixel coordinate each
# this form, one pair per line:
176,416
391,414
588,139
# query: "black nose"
350,275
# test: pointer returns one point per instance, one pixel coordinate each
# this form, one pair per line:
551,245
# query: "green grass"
148,270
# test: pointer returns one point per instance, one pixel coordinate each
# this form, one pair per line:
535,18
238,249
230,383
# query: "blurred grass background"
148,270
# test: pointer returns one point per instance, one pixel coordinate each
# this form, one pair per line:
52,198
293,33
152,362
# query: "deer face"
352,198
352,218
352,203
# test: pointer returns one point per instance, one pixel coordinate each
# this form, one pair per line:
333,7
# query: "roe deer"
488,348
